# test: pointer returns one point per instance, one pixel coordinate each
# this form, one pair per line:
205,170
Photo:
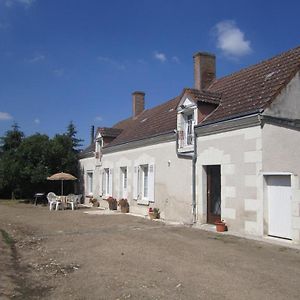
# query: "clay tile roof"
109,132
240,93
151,122
204,96
88,151
255,87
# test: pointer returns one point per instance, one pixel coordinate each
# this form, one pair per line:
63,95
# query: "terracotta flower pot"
220,226
151,215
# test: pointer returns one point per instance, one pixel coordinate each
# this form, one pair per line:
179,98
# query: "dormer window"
189,129
186,120
98,147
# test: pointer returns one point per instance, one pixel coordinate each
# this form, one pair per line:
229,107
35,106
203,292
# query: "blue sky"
80,60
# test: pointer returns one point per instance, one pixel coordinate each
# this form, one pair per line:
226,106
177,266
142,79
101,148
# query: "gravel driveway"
73,255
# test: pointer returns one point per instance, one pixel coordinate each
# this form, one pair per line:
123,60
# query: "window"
189,129
187,116
107,182
99,145
89,183
123,181
144,183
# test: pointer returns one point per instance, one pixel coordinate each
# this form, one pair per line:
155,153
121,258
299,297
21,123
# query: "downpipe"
194,163
192,157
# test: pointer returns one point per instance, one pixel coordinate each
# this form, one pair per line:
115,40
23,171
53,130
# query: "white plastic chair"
53,200
72,201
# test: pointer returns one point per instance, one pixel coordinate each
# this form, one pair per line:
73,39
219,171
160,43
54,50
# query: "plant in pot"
124,205
112,203
153,213
221,225
156,213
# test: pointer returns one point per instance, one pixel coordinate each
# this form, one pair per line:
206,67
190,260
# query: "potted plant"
153,213
124,205
221,226
112,203
94,202
150,213
156,213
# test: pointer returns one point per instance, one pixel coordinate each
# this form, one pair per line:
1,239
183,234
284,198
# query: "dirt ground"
73,255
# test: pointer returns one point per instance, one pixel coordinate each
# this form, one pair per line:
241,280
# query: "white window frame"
187,116
124,182
106,182
143,183
98,147
89,182
189,122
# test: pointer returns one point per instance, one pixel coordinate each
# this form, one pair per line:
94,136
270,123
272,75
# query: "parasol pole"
62,187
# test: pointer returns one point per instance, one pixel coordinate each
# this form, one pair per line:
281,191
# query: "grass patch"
7,238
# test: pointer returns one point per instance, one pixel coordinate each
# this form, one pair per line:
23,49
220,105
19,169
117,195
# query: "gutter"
193,158
233,117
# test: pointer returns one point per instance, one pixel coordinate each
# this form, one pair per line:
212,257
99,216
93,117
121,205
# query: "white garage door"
280,206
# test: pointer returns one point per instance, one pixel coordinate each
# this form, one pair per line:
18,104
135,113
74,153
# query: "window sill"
189,148
142,202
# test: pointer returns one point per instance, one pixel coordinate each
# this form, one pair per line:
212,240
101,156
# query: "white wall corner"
251,205
253,133
296,235
252,228
295,209
252,156
296,223
251,180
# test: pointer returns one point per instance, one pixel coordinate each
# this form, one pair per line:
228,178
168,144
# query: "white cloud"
231,40
98,118
160,56
36,58
59,72
114,63
4,116
176,59
37,121
25,3
141,61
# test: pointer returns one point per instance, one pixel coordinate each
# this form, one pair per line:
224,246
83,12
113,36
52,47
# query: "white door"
280,206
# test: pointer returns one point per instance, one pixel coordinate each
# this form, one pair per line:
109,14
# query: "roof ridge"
248,68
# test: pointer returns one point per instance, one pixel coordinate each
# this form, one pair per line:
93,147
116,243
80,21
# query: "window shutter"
110,192
135,182
151,182
102,183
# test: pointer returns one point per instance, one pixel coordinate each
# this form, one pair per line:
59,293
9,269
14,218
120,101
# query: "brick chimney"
138,103
204,69
92,134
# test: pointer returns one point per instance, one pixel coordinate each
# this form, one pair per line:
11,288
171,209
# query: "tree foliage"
26,162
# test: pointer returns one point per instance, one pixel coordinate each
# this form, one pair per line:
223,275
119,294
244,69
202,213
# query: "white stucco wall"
239,153
287,103
281,153
173,191
89,164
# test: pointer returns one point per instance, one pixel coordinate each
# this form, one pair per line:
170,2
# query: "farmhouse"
228,148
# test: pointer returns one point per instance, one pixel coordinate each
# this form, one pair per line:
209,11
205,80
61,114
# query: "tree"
71,133
34,159
10,181
26,162
12,139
